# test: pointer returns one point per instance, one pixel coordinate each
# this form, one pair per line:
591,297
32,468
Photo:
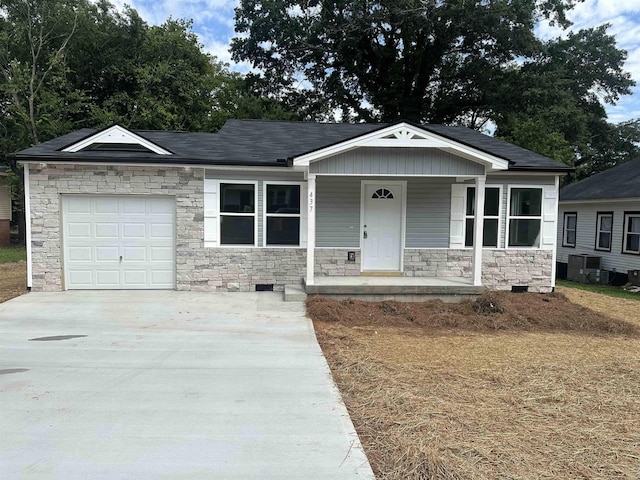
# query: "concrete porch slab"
394,288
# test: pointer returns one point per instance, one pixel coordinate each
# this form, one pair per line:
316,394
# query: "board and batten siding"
338,212
396,161
586,234
211,199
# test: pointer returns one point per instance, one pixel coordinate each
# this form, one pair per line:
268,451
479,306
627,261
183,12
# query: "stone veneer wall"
502,269
333,262
197,268
240,269
437,262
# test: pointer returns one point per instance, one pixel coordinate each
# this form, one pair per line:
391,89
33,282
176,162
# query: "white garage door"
118,242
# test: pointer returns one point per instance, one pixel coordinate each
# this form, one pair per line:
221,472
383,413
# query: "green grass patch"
603,289
12,254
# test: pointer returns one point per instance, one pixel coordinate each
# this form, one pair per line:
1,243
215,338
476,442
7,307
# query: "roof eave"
155,160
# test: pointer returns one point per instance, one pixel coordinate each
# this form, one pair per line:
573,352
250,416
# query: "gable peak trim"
116,135
404,135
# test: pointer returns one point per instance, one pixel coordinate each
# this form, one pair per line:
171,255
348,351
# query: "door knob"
365,234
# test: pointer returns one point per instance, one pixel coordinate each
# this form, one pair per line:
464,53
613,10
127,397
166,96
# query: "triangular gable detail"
116,135
404,135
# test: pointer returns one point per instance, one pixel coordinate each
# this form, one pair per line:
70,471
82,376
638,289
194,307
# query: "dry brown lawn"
435,396
13,280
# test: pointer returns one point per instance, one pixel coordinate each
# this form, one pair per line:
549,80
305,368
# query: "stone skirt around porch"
407,289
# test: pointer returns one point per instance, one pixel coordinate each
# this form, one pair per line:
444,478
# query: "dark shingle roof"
264,142
621,181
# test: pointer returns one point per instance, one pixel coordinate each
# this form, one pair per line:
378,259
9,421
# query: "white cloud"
624,18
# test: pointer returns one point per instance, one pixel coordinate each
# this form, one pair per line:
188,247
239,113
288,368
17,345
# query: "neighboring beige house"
260,205
5,211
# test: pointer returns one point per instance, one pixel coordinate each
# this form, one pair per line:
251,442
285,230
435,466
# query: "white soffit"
116,135
403,135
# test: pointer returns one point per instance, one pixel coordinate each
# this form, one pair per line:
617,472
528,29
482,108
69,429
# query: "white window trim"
234,214
599,217
625,232
565,242
292,215
491,217
510,217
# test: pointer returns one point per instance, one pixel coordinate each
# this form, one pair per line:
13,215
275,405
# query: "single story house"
600,217
265,204
5,211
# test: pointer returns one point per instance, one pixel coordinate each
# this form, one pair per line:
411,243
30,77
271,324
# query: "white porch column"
478,231
311,227
27,222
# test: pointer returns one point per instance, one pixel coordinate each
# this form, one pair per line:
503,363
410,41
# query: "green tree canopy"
443,61
67,64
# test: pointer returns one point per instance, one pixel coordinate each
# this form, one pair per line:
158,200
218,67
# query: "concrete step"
294,293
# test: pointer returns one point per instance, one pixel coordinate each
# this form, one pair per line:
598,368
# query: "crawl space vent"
264,287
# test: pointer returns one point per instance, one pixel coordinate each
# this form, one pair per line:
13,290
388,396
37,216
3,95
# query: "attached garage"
118,242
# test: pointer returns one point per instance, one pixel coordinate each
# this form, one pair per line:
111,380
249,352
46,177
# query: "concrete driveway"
173,385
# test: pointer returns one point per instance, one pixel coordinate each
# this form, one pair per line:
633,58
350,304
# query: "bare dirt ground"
515,386
13,280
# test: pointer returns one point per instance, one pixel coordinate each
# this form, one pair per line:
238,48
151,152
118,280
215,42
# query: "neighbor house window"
237,213
604,229
569,231
525,217
631,231
491,216
282,214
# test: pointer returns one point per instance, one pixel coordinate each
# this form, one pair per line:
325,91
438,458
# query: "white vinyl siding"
338,212
5,199
586,234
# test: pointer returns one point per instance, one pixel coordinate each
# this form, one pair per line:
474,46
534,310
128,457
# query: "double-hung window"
237,213
631,233
525,217
604,229
491,216
282,214
569,230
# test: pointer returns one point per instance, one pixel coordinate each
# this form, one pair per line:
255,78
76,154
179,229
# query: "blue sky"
213,22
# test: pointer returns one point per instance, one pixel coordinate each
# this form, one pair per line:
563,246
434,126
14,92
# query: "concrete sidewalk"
168,385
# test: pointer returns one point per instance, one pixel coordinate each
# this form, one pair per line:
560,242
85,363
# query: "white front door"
118,242
382,222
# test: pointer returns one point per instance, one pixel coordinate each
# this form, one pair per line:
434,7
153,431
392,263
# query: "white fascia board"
44,163
403,134
116,134
601,200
